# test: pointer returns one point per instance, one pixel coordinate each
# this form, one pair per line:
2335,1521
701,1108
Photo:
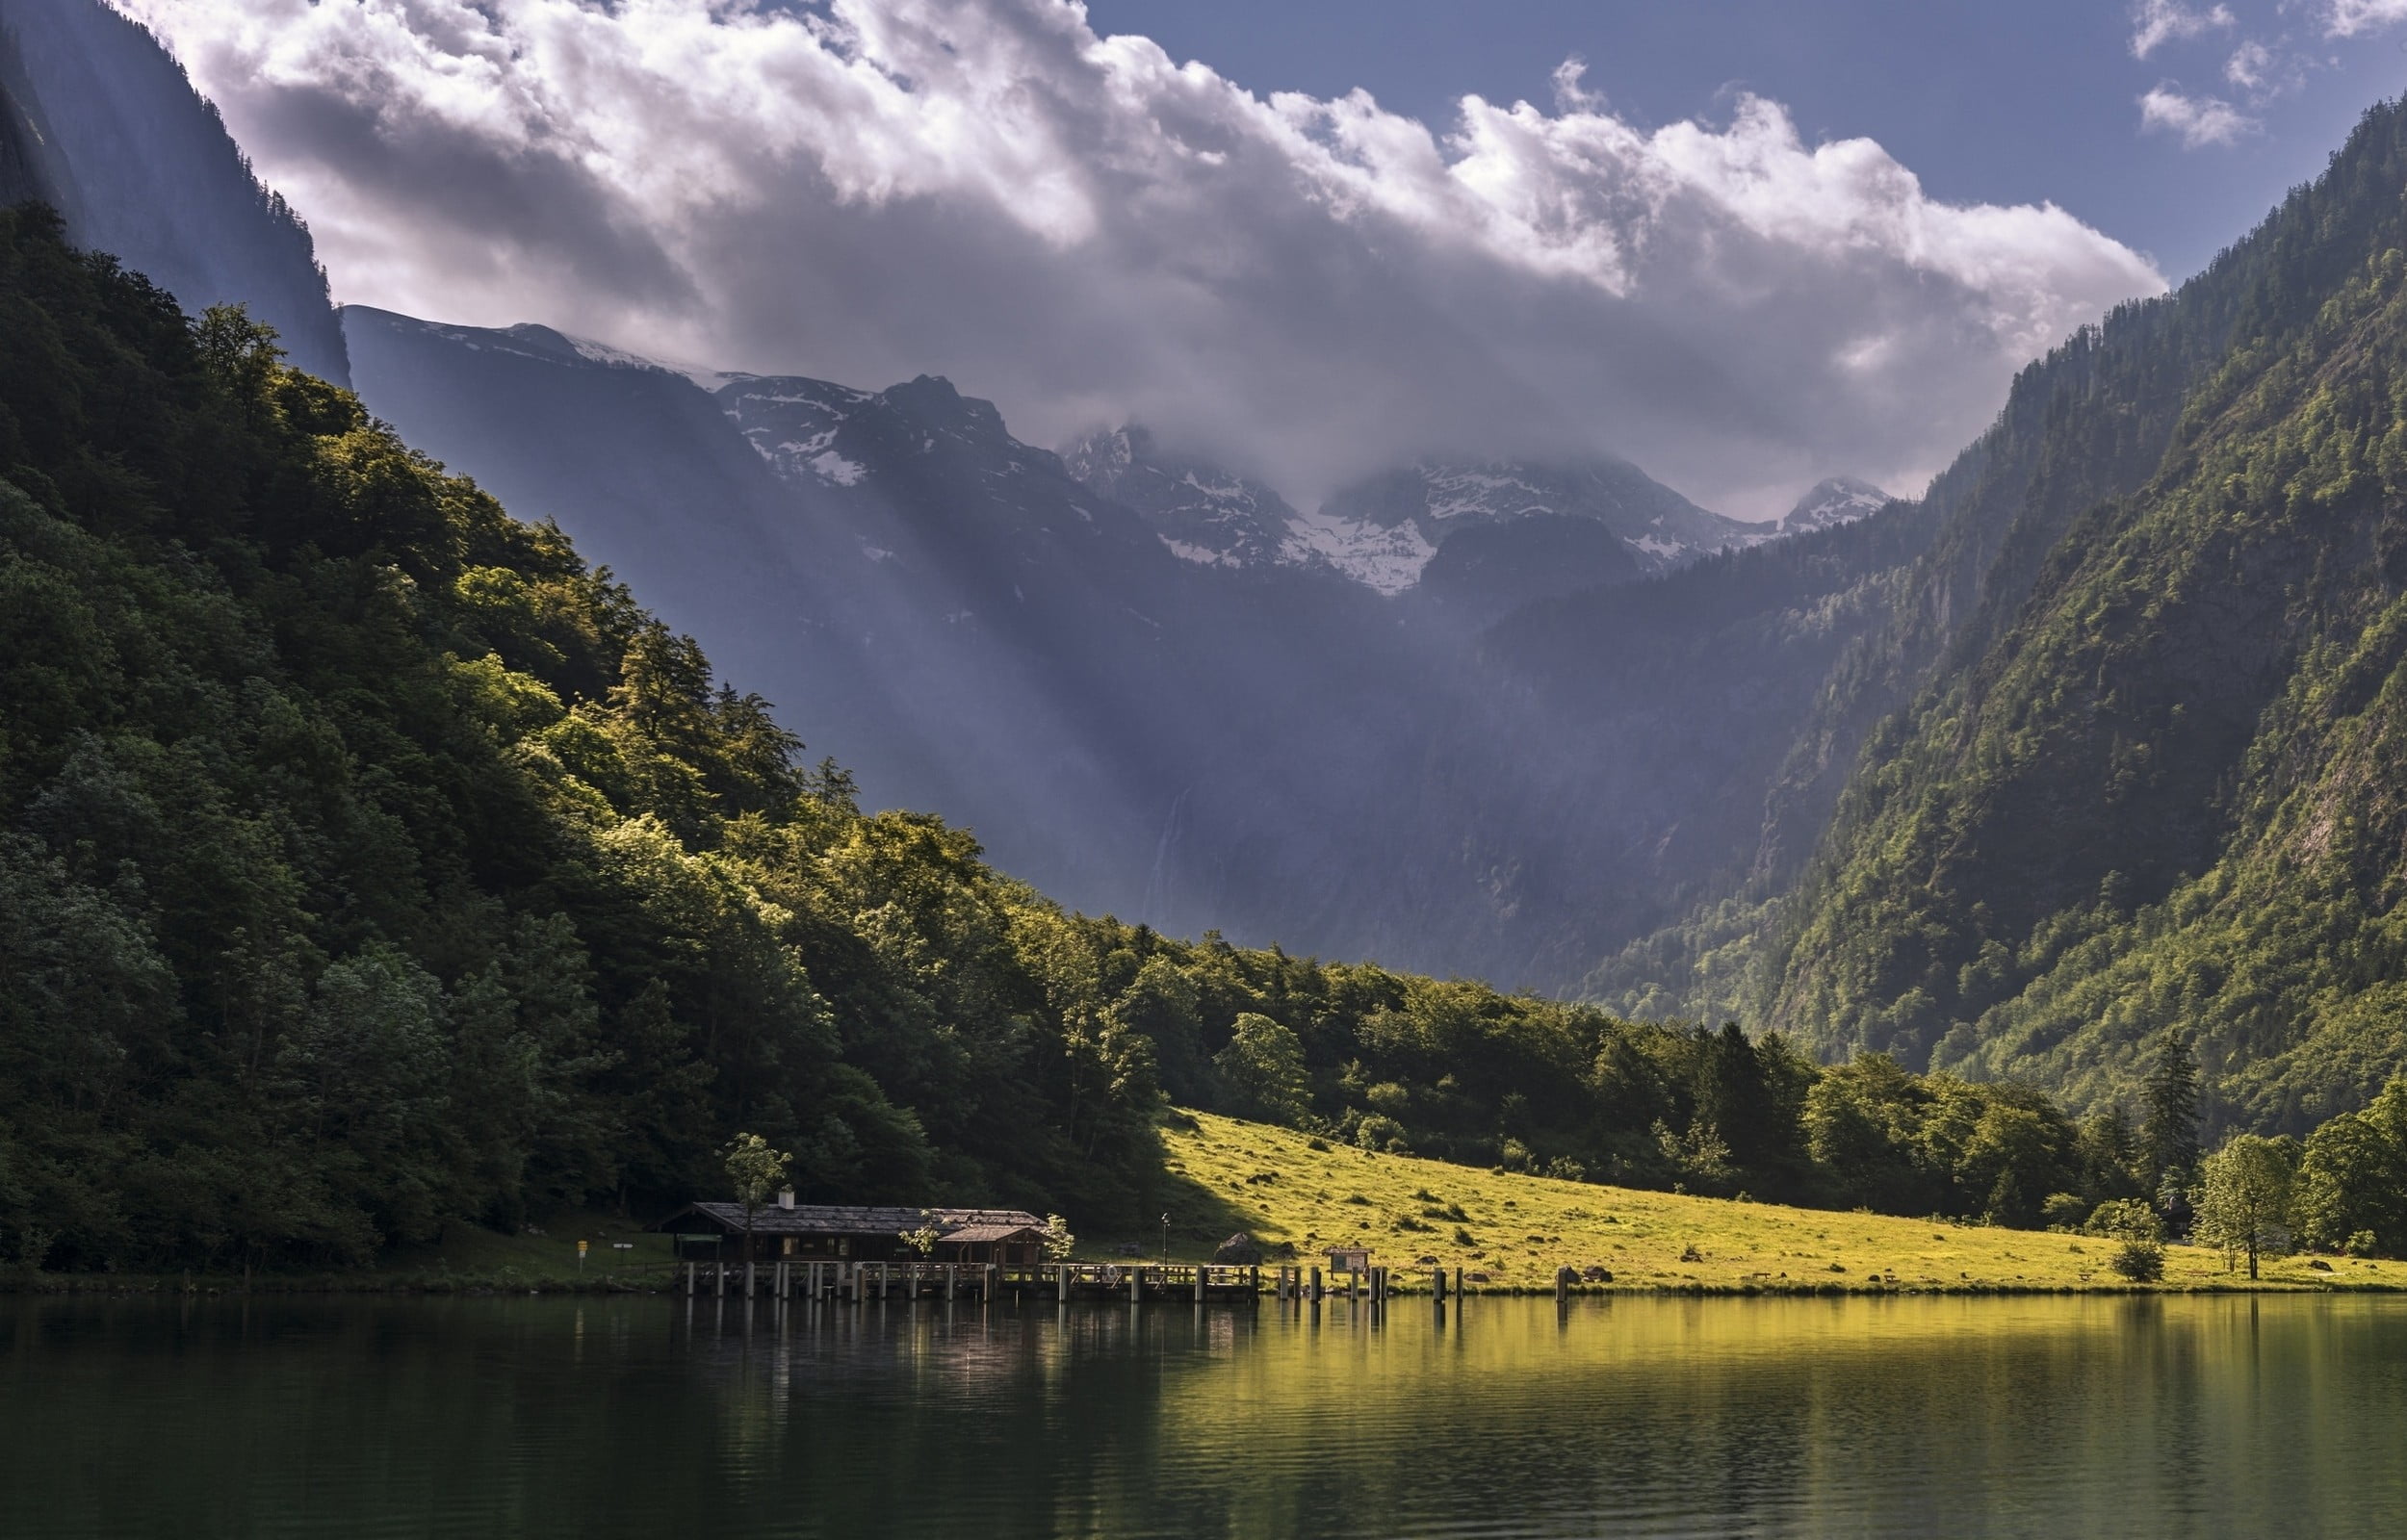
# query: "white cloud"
2350,19
1083,228
1571,92
2250,65
2158,22
2199,120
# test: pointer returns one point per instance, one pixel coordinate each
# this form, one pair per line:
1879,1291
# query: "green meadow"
1518,1230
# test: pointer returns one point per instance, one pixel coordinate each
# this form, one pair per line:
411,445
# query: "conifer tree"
2168,1136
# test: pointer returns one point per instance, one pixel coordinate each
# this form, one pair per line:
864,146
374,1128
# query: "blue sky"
1995,103
1745,244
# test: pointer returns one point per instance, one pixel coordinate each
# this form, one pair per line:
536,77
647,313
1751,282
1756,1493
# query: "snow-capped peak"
1840,500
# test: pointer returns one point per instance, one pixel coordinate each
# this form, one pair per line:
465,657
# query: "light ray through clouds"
1085,229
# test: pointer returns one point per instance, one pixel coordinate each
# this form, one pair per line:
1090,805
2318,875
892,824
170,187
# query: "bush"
2126,1219
2361,1243
2139,1261
2064,1211
1377,1132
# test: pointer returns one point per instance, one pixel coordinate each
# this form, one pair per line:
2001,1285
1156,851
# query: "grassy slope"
1525,1227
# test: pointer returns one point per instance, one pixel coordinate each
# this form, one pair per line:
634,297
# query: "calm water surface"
2209,1416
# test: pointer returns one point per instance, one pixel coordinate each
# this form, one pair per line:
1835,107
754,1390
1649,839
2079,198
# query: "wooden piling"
1200,1271
1315,1294
1137,1284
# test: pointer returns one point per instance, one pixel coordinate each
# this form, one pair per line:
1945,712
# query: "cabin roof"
828,1218
981,1234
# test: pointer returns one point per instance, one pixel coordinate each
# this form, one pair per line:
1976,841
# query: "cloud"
2250,67
2158,22
1085,229
2350,19
1571,92
2199,120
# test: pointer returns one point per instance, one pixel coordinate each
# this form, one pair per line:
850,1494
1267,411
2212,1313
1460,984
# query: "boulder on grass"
1239,1251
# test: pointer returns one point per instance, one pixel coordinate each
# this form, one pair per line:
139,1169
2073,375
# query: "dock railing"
856,1282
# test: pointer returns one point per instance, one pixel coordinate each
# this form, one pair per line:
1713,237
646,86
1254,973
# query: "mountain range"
2095,738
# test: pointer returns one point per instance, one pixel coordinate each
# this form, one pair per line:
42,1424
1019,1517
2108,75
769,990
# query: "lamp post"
1165,1240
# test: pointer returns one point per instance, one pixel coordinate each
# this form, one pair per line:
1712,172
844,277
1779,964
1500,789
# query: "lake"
2215,1415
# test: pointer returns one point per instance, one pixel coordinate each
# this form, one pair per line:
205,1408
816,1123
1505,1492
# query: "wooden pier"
1057,1282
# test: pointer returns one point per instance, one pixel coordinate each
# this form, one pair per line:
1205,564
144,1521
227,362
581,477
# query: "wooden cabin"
820,1232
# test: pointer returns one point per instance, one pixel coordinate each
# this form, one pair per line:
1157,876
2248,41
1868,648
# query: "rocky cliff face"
143,167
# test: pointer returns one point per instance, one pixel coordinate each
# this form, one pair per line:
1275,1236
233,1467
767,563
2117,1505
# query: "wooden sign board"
1350,1259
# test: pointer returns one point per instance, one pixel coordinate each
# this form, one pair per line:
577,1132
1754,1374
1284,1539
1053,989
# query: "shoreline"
392,1286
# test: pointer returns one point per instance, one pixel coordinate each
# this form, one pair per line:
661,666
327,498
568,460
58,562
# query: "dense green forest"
2123,755
2198,700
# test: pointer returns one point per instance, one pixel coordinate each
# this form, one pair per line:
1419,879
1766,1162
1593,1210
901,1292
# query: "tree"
754,1170
1059,1242
1861,1122
2015,1157
1264,1064
2107,1148
2168,1135
1733,1094
2352,1180
923,1239
2244,1197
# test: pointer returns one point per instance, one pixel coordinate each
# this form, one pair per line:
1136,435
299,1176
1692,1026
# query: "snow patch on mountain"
1387,558
1840,500
1201,513
610,357
792,423
1662,528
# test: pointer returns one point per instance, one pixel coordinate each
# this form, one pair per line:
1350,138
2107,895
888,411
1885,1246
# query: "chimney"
785,1198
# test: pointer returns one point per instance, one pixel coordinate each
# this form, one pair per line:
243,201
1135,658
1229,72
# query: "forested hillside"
2150,776
369,860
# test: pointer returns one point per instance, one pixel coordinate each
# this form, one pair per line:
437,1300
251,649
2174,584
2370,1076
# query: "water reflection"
2209,1415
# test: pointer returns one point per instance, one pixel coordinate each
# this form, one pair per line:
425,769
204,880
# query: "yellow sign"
580,1248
